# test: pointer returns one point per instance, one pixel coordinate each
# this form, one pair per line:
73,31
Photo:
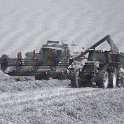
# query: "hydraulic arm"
107,38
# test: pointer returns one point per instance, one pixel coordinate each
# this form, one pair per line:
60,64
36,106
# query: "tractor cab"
98,55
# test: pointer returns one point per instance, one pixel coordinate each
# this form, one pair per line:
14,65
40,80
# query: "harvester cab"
54,52
55,55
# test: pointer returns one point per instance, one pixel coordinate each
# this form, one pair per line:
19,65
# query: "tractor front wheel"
75,79
113,79
105,80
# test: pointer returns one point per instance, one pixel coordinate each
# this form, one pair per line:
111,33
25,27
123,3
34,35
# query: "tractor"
101,68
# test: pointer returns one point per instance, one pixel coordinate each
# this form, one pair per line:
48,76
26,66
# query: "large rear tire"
114,80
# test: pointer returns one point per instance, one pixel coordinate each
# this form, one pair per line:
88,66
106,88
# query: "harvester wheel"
60,76
4,62
41,77
37,77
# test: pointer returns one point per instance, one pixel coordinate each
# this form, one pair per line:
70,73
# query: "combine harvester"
50,61
100,69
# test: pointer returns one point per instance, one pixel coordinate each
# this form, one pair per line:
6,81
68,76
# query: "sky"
27,24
